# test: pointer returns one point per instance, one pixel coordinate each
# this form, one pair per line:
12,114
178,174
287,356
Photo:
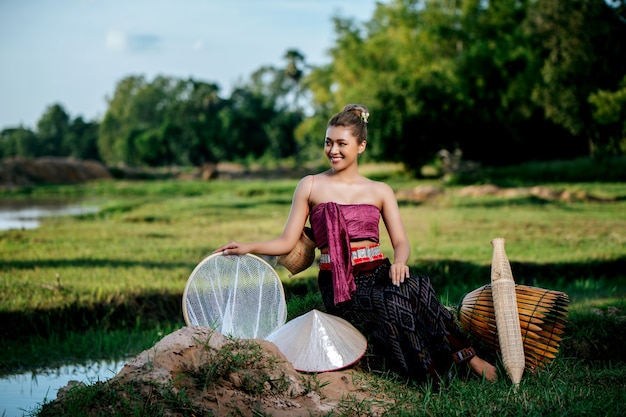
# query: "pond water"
26,214
22,394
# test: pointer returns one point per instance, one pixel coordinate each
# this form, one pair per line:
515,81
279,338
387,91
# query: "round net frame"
238,296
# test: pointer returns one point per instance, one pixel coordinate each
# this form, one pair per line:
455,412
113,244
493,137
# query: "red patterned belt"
359,256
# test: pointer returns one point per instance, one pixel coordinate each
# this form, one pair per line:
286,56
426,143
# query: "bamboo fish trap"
505,310
542,317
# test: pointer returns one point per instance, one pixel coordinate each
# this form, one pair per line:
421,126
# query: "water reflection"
26,214
21,394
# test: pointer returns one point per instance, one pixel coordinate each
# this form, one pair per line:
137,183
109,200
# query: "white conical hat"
319,342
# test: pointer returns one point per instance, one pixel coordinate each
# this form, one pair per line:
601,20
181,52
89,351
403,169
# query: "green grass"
148,237
567,388
110,284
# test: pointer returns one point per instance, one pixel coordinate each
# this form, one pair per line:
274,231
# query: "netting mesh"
238,296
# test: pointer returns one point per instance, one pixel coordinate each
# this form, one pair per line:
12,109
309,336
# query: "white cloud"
116,40
119,41
198,45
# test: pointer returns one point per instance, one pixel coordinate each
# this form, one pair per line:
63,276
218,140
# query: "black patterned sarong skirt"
408,323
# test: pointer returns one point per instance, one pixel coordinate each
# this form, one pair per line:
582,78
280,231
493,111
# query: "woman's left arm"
395,228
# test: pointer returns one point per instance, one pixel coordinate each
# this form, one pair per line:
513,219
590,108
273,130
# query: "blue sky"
74,52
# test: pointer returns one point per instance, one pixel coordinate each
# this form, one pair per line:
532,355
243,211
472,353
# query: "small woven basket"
302,255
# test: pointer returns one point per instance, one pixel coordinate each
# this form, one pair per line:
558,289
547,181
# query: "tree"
244,118
402,65
497,65
196,132
56,135
52,130
609,110
262,114
166,121
152,146
19,141
583,52
459,74
81,140
294,72
120,118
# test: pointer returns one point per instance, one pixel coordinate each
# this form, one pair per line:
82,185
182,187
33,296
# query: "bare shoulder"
381,191
380,188
306,181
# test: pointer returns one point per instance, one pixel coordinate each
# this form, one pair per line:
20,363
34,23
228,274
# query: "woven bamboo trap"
302,255
542,316
506,312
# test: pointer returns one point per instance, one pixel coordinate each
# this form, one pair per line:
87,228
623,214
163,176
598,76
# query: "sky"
74,52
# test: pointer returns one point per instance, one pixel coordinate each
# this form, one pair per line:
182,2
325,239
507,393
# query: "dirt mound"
20,172
201,371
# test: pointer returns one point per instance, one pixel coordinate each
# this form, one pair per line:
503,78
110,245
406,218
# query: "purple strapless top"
336,225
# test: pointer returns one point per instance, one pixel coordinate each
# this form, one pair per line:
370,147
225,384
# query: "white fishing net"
238,296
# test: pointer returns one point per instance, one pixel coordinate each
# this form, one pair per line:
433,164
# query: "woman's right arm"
291,232
397,233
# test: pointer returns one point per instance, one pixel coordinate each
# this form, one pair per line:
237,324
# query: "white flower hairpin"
364,116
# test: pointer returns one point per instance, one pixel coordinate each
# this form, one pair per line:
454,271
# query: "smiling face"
342,148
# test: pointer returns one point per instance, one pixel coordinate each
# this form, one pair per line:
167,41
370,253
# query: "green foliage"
52,129
119,400
162,122
609,109
449,74
169,121
56,135
580,57
247,359
502,82
81,141
302,304
19,141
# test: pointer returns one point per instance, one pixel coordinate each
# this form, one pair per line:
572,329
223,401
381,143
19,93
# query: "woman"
398,311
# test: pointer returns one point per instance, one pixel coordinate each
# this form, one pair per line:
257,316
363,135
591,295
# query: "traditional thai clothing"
408,322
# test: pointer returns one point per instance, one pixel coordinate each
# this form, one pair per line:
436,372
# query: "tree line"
501,81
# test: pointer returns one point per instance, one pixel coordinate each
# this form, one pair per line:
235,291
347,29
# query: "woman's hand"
398,272
233,248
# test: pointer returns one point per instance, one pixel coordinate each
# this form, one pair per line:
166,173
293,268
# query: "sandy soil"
184,357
